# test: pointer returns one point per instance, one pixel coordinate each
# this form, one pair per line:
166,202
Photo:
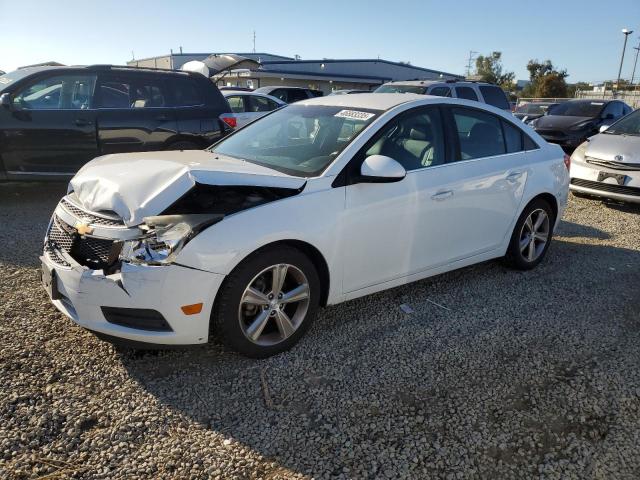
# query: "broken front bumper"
82,294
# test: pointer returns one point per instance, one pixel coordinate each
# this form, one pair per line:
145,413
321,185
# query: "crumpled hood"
559,122
139,185
606,146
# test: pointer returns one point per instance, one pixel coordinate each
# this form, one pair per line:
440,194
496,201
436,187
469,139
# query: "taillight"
567,162
231,121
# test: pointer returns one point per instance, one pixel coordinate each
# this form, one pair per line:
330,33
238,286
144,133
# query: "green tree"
489,69
546,80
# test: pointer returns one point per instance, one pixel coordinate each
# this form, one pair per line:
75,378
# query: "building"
325,74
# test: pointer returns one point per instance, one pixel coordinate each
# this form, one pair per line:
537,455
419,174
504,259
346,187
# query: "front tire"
531,236
267,302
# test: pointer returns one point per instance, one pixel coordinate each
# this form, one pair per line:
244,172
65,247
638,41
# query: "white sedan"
247,107
321,202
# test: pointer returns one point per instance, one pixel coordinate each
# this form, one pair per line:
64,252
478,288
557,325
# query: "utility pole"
472,56
637,49
626,33
254,41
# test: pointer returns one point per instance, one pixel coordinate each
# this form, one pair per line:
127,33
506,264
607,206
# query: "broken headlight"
163,237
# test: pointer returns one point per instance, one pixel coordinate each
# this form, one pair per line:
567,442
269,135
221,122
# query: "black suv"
55,119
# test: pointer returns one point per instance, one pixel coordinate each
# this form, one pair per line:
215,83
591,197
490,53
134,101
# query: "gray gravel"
532,374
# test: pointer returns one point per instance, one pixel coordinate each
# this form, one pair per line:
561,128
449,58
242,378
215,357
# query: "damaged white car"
320,202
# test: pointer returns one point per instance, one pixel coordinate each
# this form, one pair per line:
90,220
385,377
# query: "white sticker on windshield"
354,115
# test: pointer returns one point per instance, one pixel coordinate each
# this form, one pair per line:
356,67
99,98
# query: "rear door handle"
442,195
81,122
513,176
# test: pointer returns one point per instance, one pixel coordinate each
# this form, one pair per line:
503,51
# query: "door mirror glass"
381,169
5,100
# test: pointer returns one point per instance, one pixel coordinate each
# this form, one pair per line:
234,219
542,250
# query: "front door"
50,126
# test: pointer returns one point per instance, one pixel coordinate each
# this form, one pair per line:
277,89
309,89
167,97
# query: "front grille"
89,217
612,164
606,187
95,253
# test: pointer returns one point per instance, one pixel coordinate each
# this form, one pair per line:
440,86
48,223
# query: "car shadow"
575,230
371,385
26,208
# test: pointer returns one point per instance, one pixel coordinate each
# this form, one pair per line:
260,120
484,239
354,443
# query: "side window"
185,92
280,93
512,137
467,93
415,140
616,109
479,133
114,94
149,93
296,95
61,92
440,91
495,96
260,104
236,103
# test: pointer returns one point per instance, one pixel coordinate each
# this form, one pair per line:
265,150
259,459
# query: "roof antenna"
180,50
254,41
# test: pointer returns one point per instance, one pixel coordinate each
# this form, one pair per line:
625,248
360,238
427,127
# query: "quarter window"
62,92
236,103
261,104
415,140
440,91
479,133
512,137
495,96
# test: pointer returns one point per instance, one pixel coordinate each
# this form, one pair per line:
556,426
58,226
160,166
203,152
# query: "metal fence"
631,98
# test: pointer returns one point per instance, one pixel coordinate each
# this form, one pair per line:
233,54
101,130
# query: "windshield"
578,109
299,140
629,125
401,89
533,108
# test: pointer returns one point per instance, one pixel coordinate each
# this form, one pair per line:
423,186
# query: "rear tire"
257,318
531,236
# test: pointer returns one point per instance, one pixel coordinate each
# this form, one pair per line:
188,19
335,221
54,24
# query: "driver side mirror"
5,100
381,169
603,128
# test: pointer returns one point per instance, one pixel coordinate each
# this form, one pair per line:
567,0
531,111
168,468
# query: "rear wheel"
531,236
267,303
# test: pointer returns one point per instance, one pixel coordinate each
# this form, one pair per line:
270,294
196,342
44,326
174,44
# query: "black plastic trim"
137,318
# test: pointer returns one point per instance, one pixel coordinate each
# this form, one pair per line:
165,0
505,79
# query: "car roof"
273,87
244,93
374,101
433,82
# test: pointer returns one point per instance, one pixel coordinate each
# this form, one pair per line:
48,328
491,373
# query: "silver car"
248,106
608,164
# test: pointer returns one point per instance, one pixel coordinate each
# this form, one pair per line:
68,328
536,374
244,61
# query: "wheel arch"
547,197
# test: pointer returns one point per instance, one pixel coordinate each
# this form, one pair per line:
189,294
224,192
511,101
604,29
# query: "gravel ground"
493,374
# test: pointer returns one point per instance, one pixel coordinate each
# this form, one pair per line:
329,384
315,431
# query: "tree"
489,69
546,80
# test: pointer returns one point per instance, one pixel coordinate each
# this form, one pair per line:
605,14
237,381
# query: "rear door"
50,127
134,112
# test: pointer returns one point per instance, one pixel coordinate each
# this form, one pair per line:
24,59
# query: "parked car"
478,91
241,89
529,111
348,92
289,94
571,123
320,202
608,164
55,119
248,106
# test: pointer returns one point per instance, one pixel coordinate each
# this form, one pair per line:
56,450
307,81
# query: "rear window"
495,96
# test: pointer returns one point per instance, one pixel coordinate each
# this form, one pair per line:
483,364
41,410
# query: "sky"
584,36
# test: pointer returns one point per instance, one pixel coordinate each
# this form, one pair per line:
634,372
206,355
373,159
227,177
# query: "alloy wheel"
274,304
534,235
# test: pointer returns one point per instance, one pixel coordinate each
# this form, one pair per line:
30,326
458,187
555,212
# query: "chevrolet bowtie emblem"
83,228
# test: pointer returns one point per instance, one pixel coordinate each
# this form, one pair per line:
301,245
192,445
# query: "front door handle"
162,118
82,122
443,195
513,176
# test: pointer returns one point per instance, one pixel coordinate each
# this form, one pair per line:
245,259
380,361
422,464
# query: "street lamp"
633,75
626,33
